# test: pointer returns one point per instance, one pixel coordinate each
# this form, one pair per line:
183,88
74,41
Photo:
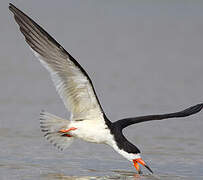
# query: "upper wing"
187,112
71,81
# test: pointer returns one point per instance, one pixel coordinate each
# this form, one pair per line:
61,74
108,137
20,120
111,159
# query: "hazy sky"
143,52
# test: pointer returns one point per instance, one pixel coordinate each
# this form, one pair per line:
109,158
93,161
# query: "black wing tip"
194,109
11,7
14,9
200,105
42,112
21,16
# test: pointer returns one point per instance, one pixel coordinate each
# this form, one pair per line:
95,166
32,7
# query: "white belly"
94,131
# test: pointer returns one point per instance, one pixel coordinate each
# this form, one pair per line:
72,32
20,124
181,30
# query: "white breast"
94,131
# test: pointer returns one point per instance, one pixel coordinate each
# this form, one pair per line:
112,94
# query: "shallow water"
143,58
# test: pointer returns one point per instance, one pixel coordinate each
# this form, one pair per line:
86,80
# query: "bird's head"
127,149
138,161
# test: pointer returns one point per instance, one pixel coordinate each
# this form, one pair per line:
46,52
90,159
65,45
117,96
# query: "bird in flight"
88,120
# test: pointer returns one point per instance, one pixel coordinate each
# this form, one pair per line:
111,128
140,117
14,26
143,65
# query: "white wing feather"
71,81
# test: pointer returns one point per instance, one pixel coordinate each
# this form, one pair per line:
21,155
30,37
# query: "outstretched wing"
71,81
187,112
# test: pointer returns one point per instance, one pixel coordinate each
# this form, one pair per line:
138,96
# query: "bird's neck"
121,141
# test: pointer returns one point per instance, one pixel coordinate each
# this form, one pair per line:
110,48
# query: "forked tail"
50,126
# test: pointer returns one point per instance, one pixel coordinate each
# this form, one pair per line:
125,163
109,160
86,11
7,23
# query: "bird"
87,120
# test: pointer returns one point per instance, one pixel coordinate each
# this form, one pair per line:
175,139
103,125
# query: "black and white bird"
88,120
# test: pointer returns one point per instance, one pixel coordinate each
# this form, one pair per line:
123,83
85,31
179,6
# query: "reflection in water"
119,175
66,177
126,176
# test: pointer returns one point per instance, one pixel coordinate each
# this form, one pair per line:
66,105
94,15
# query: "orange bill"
140,161
137,167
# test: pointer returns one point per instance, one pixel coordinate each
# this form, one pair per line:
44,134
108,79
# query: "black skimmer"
88,120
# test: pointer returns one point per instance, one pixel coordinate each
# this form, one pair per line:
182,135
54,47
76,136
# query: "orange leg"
68,135
67,130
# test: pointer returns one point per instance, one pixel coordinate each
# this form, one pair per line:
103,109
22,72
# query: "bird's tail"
51,125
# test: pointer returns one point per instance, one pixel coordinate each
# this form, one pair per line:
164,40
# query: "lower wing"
187,112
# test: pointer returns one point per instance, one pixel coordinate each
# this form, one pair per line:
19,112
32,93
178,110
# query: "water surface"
144,57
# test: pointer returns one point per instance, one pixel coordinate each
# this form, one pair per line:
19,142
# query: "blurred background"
144,57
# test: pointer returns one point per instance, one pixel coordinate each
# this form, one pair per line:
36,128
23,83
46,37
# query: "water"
143,57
